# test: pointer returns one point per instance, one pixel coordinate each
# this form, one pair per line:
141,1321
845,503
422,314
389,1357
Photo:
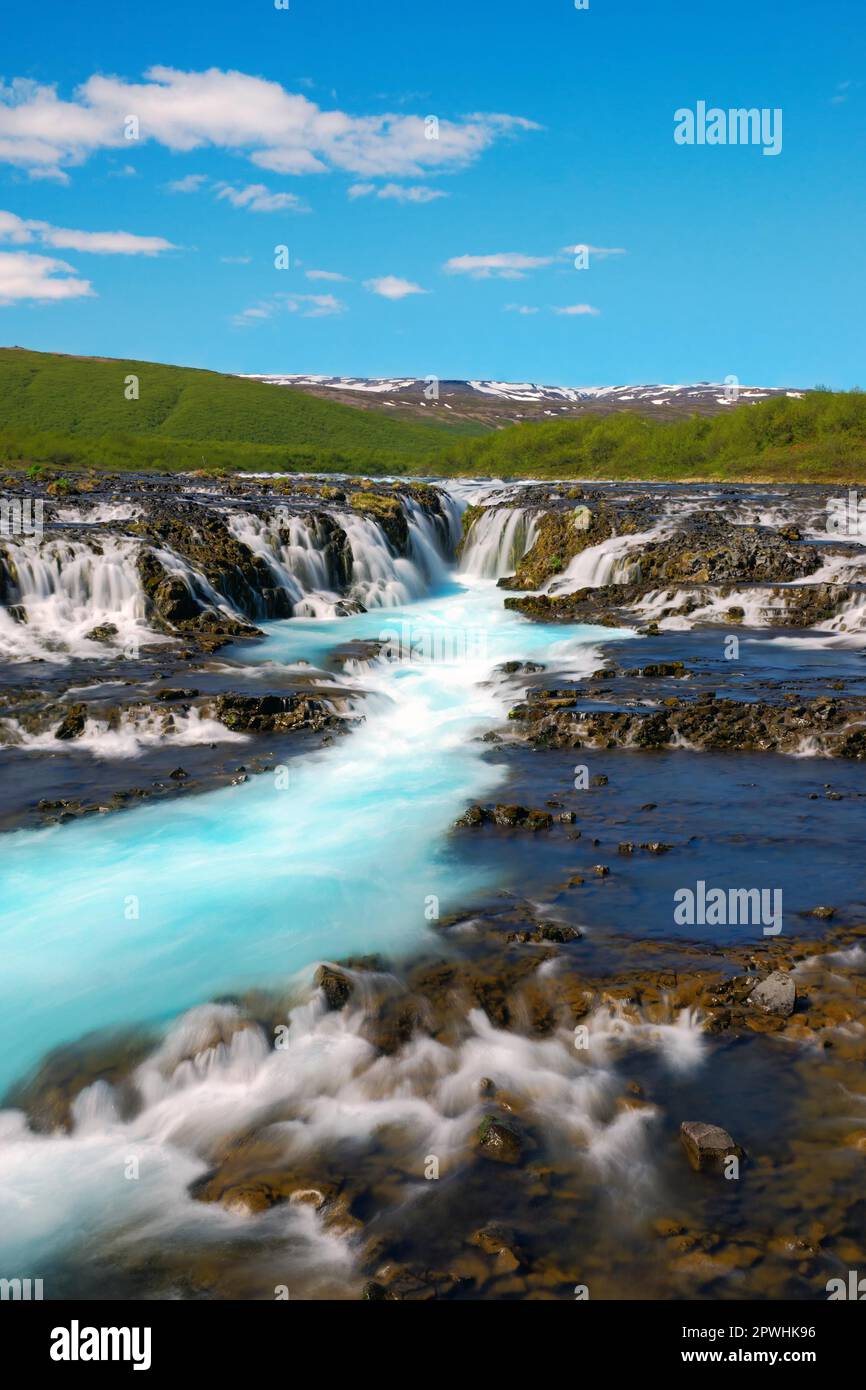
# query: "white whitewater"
498,539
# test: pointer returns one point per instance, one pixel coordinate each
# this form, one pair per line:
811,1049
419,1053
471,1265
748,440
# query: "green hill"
818,438
43,395
72,412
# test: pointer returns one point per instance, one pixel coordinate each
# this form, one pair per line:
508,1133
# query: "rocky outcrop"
701,723
506,817
273,713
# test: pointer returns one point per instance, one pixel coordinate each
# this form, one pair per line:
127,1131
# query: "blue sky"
305,128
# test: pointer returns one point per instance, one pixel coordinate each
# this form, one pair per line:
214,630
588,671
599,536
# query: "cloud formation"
26,276
309,306
392,287
17,229
504,265
276,129
398,192
255,197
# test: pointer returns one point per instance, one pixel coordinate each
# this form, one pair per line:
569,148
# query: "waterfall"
497,540
609,562
61,590
380,579
56,591
293,548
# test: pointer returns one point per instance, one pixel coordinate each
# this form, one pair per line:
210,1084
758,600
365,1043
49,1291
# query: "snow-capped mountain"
508,401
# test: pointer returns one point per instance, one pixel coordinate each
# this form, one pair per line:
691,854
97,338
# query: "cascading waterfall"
293,548
62,589
497,540
609,562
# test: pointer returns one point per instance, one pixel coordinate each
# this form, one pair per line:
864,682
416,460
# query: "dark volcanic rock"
705,723
499,1141
72,724
272,713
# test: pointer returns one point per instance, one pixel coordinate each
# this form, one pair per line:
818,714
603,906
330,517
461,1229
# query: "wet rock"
707,1146
374,1292
498,1241
499,1141
710,723
510,817
72,724
336,987
47,1097
510,668
272,713
471,818
546,931
658,670
825,913
777,994
104,632
171,694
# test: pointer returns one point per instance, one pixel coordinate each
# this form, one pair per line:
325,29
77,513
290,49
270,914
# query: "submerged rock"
499,1141
707,1146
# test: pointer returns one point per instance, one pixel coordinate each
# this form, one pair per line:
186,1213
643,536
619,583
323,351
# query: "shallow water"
135,917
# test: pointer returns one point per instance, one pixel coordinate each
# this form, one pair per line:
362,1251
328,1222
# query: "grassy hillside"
44,394
71,413
819,438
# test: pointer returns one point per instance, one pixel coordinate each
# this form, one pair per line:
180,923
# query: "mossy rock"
388,511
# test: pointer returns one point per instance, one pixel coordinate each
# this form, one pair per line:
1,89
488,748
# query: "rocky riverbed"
577,1073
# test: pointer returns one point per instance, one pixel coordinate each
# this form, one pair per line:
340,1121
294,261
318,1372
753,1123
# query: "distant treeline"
820,437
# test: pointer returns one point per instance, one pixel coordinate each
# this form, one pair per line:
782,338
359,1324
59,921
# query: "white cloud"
326,275
399,192
190,183
315,306
577,309
598,252
25,276
277,129
21,231
257,198
309,306
392,287
520,309
235,260
505,265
